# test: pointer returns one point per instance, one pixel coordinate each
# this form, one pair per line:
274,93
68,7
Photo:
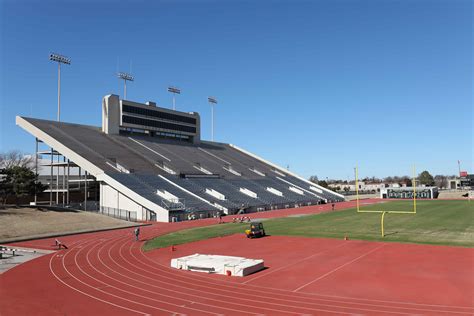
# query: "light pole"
60,59
174,91
212,101
125,77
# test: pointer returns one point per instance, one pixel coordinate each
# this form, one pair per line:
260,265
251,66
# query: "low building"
407,193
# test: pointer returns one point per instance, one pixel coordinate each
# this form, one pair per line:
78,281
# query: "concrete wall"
110,197
110,114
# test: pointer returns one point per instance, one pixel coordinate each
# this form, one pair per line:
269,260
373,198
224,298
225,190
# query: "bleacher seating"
146,160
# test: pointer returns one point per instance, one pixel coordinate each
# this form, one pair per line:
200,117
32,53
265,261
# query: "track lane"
108,268
112,259
414,307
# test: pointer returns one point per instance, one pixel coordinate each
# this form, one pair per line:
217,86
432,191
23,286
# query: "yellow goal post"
359,210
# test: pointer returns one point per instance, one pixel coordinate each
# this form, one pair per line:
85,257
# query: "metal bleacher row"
146,164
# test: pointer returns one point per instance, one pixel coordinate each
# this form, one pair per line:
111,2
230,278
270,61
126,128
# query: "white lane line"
173,284
89,295
128,284
340,267
177,297
211,291
153,151
233,292
326,297
95,288
299,261
141,252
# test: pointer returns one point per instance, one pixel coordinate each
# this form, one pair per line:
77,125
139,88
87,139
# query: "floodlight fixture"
174,91
60,59
212,101
125,77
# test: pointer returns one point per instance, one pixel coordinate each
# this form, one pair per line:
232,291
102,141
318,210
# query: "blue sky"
316,85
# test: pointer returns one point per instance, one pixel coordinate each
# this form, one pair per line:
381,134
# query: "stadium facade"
150,163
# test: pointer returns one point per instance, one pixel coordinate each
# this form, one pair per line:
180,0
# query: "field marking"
299,261
298,299
329,296
117,280
98,254
220,283
90,295
340,267
231,290
114,244
326,297
107,285
115,240
236,286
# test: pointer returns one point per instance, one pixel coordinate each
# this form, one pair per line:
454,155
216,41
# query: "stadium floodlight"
174,91
212,101
125,77
60,59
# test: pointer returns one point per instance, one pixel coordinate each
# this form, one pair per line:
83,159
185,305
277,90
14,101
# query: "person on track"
137,233
60,244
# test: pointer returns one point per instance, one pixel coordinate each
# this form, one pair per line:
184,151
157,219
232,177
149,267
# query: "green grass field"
436,222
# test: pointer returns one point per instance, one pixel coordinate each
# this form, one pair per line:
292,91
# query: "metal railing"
119,213
176,205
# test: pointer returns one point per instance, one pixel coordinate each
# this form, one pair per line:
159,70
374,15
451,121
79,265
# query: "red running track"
107,273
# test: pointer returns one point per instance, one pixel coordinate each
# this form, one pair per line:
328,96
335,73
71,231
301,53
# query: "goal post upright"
382,212
357,187
382,224
414,189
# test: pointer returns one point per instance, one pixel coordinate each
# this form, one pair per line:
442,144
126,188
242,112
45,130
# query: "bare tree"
16,158
314,179
406,180
441,181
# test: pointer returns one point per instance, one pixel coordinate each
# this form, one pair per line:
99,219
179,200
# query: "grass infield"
436,222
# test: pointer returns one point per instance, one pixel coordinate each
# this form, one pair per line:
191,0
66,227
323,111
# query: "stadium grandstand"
149,163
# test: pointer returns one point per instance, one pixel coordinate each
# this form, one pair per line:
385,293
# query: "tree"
16,158
407,181
314,179
18,182
426,178
441,181
323,183
6,188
